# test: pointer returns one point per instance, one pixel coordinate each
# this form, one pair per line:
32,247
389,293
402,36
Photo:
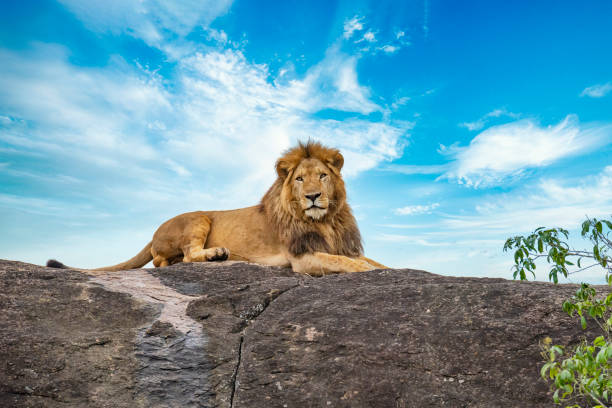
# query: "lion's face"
309,182
312,187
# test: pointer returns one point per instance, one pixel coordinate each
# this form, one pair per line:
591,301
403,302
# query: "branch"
597,400
580,270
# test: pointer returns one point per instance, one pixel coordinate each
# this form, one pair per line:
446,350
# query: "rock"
233,334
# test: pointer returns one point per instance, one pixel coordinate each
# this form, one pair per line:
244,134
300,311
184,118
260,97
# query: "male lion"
303,221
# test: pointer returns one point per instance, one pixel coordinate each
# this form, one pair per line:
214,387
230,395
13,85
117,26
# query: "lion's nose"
312,197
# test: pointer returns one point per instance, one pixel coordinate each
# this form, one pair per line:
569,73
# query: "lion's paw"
220,254
363,266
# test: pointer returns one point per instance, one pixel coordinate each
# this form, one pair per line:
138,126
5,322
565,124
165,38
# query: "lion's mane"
336,233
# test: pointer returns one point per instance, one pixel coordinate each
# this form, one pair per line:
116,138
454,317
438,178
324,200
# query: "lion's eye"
323,175
299,178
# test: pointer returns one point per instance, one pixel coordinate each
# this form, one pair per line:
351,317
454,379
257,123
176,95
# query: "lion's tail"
138,261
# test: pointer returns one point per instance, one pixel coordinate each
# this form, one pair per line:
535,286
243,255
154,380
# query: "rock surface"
241,335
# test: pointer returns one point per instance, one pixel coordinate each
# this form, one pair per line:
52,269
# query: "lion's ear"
283,168
336,161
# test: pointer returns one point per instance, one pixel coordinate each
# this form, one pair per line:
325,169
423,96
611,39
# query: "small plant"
584,370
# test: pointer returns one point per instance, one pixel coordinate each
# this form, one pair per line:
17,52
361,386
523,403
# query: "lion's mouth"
315,212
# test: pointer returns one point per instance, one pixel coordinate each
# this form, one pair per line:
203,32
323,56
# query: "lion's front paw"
361,266
219,254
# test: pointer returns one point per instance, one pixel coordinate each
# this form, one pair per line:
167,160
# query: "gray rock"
232,334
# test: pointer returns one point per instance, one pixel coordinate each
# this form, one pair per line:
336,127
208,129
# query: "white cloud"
231,104
410,239
177,168
219,36
416,209
477,125
550,202
219,106
597,91
506,151
369,36
154,21
480,123
389,49
352,25
333,83
402,101
470,240
417,168
366,42
78,108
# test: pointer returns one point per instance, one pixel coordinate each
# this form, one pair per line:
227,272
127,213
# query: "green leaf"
602,356
598,227
565,376
544,369
585,227
583,322
599,341
556,349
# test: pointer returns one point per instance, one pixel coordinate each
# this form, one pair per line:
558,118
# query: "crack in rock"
235,383
249,316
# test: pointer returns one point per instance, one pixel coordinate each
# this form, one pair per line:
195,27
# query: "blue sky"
461,123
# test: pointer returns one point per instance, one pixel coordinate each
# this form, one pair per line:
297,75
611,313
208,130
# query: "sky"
461,123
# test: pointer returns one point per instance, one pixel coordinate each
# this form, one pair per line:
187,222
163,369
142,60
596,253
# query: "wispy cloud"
337,74
389,49
352,25
219,105
54,104
369,36
480,123
506,151
400,101
369,42
417,169
470,238
416,209
411,240
597,91
549,202
155,22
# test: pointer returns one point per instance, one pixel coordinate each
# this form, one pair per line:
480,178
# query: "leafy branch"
586,371
551,244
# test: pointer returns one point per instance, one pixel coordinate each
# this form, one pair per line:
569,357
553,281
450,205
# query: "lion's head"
312,184
308,198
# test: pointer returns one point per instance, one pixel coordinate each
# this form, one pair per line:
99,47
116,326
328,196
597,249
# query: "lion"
303,221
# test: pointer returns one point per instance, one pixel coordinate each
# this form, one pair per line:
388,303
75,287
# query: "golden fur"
302,221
